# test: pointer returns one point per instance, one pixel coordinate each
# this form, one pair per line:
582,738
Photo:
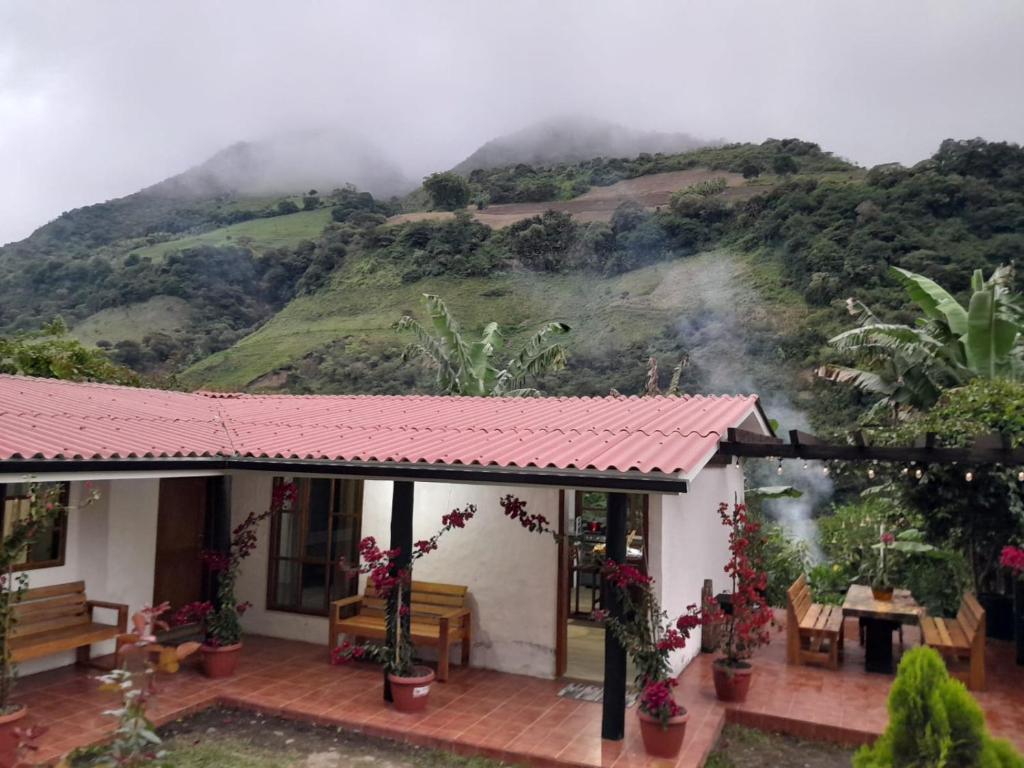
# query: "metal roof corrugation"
47,418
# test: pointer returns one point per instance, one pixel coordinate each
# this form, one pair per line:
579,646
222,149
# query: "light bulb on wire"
969,476
871,473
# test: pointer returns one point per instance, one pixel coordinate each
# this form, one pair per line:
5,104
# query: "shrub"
783,558
933,722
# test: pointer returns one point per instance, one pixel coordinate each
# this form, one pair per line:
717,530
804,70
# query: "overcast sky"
99,98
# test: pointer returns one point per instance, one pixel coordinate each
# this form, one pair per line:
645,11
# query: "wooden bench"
59,618
960,637
438,614
814,632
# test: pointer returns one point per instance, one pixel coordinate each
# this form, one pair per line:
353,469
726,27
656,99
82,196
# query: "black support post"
613,717
401,539
218,523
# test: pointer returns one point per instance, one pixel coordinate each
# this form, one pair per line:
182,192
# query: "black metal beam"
613,714
401,539
650,482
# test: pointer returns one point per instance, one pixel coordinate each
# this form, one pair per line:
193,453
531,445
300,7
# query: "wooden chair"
961,637
59,618
814,632
438,614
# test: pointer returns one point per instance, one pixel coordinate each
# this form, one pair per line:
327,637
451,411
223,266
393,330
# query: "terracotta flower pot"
220,660
14,715
882,593
659,741
731,682
410,694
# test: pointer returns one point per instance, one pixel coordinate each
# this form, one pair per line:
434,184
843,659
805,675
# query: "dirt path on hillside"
598,203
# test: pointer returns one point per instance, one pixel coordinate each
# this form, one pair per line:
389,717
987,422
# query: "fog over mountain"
291,162
99,99
571,139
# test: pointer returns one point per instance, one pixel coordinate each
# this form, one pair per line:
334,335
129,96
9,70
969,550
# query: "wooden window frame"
60,525
301,507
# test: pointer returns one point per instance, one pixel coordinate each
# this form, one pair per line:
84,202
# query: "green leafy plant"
910,366
934,723
892,550
52,353
783,557
465,367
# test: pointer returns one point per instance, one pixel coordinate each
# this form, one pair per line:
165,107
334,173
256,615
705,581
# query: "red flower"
625,575
1012,558
888,539
515,509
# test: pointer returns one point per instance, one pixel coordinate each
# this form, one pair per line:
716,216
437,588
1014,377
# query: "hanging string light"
918,473
1020,476
779,470
825,469
871,473
969,476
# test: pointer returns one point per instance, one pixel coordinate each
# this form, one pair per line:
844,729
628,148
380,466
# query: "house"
176,471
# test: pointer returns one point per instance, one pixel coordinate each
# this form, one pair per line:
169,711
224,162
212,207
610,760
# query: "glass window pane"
314,586
344,583
285,589
317,519
288,544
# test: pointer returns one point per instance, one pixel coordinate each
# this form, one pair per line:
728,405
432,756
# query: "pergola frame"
988,449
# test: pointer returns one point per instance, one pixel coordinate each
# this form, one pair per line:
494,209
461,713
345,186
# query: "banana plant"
909,366
469,367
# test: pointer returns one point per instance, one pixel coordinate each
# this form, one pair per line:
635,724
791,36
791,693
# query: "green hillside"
624,317
260,234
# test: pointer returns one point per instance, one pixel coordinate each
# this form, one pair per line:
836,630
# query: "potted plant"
409,682
746,626
45,505
649,637
221,620
880,571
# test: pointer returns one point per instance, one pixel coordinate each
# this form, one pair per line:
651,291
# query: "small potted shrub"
409,682
746,626
221,620
649,637
880,571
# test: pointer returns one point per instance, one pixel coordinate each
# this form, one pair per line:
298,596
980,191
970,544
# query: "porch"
511,717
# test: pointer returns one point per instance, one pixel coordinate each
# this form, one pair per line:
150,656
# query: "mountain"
289,163
573,139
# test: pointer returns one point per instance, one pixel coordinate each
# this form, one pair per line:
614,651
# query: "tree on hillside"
447,190
51,353
465,367
751,170
910,366
784,165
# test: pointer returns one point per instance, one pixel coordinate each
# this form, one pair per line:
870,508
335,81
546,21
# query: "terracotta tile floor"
517,719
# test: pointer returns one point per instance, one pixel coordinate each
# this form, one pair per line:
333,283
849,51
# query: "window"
311,541
47,549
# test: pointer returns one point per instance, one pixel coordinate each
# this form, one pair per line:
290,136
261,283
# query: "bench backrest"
799,597
971,616
44,609
429,600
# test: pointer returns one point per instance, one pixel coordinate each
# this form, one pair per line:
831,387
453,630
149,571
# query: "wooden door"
180,529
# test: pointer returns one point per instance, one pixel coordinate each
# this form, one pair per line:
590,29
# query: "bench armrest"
461,614
121,608
338,605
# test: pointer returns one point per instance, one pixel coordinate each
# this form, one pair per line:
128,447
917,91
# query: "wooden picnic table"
881,618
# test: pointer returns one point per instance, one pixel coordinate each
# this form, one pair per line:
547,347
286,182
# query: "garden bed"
740,747
222,737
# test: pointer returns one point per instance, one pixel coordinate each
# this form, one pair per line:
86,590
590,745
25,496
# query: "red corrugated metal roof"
47,419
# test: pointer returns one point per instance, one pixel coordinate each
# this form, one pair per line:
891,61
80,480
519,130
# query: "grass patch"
261,234
740,747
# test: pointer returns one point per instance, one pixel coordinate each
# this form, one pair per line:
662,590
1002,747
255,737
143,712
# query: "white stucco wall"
689,544
511,573
111,546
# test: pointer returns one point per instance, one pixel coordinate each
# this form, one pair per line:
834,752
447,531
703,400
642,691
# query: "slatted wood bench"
814,632
438,614
960,637
60,618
